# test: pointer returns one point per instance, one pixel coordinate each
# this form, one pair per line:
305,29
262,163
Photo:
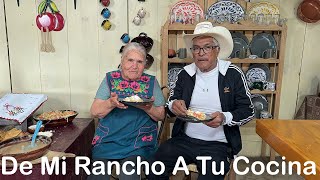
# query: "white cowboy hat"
221,34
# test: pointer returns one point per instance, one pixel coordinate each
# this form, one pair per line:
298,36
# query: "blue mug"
125,38
106,13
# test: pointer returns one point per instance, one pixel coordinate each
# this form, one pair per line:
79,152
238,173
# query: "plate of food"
135,100
56,118
196,117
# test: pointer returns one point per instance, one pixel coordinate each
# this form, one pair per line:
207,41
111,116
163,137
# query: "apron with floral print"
126,132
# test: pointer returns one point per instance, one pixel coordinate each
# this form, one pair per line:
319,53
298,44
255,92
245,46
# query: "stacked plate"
260,103
261,43
240,43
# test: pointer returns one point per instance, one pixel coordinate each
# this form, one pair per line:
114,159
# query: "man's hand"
115,103
179,108
218,119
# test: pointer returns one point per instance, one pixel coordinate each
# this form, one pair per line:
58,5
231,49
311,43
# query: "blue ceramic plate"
258,73
238,34
238,44
260,103
225,11
262,42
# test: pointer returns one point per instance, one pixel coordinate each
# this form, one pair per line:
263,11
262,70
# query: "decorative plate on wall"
187,8
225,10
263,8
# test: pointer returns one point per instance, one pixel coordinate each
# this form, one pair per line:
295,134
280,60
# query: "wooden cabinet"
172,38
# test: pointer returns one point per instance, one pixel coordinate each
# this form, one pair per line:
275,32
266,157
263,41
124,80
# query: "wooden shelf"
258,60
178,60
257,91
234,60
242,26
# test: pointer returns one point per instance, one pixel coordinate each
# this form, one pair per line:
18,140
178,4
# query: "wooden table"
297,140
72,138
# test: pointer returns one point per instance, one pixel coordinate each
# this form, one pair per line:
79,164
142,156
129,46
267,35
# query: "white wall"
85,52
4,63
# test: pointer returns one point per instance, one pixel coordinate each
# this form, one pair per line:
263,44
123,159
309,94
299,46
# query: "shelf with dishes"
233,60
178,60
241,26
256,91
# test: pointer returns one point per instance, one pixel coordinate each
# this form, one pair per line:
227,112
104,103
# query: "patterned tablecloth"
19,107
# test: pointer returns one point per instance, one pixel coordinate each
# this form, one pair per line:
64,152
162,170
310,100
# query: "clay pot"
106,24
105,3
309,11
149,61
144,40
171,53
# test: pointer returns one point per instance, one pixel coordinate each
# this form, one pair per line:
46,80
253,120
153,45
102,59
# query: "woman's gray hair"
134,46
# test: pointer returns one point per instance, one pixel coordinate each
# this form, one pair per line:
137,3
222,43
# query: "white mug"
265,115
137,20
271,86
142,13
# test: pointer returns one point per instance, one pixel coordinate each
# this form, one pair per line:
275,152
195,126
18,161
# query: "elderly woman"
125,132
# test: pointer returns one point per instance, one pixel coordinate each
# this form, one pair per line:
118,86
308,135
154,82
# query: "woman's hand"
100,108
115,103
146,106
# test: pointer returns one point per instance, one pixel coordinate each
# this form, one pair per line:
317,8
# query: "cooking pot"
144,40
309,11
149,61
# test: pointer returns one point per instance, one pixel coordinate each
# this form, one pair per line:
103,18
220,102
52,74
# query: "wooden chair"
231,175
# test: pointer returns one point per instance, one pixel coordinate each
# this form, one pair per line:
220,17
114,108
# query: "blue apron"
126,132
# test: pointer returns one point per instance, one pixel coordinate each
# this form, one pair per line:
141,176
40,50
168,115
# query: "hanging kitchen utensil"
18,2
144,40
105,3
149,61
75,4
309,11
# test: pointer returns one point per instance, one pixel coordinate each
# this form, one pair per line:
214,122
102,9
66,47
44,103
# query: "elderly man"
212,86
